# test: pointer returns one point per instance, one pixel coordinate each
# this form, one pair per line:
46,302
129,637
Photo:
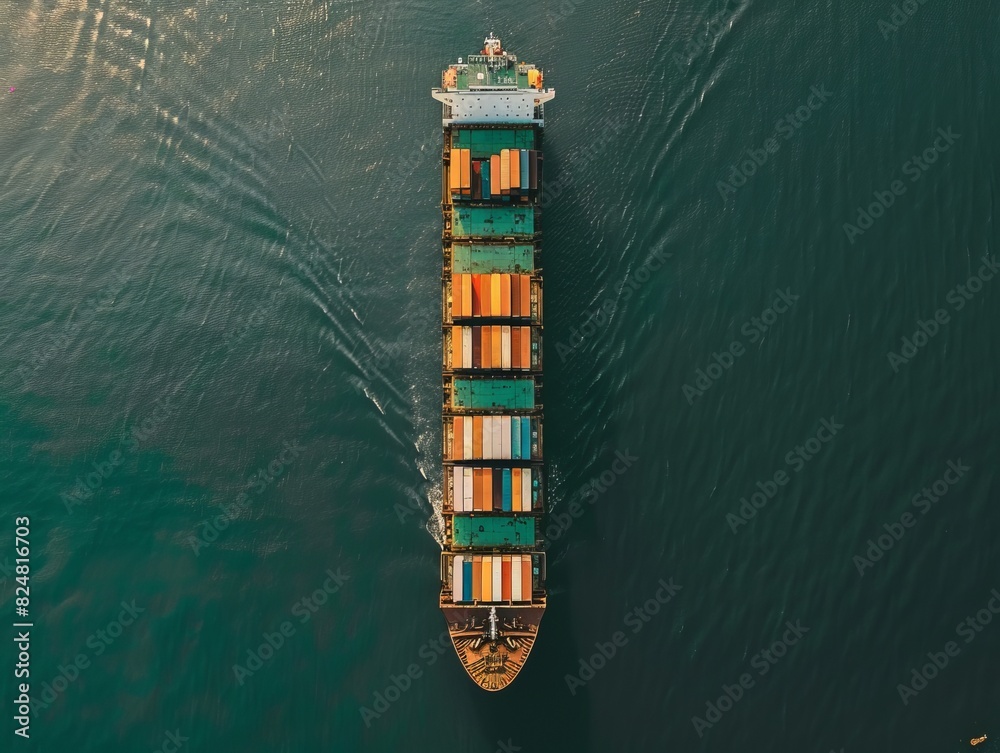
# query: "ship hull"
493,591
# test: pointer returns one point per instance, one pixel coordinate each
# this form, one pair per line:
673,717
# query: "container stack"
502,176
492,297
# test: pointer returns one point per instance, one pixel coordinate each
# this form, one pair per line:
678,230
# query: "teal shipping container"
494,393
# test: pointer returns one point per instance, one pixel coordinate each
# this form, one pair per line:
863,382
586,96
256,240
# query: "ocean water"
220,361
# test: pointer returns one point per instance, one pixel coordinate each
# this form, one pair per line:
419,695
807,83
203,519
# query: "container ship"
493,562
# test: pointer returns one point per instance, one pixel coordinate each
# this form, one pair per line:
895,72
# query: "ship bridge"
492,87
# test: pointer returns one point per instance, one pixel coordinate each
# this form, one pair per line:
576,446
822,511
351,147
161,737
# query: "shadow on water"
537,712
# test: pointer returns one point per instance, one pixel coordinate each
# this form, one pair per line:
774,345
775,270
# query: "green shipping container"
494,393
493,221
488,141
483,259
484,531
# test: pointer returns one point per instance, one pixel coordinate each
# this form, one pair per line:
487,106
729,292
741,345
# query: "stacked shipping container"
491,295
475,489
492,316
492,437
492,578
495,347
508,175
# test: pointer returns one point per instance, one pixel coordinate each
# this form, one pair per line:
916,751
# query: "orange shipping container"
477,295
515,169
456,348
505,354
497,343
515,489
477,578
466,170
506,577
485,501
477,437
515,295
504,295
455,170
515,347
525,295
525,347
526,577
495,175
504,171
495,295
466,295
484,283
456,296
487,578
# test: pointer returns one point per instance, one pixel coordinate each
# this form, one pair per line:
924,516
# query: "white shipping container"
498,578
457,488
466,438
468,490
488,437
466,347
498,438
515,578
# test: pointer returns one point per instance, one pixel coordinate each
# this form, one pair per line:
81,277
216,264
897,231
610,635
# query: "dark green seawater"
220,375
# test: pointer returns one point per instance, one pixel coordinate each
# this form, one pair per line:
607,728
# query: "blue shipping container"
508,500
515,438
525,437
